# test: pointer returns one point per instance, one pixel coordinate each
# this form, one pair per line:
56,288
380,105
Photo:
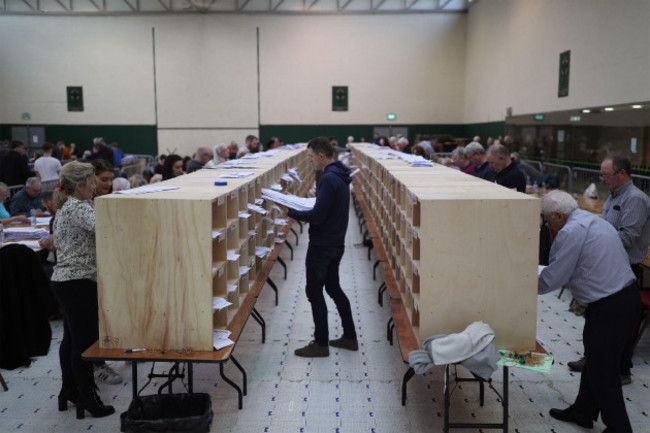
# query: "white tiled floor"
347,392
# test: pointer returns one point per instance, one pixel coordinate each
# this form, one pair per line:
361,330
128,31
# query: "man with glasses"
628,210
27,199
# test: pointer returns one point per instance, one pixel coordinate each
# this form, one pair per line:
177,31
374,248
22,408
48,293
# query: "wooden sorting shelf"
461,249
162,256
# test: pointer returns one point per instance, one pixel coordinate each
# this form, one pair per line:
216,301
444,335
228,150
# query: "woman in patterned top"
74,283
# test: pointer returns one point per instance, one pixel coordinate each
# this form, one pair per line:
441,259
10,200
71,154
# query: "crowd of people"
598,258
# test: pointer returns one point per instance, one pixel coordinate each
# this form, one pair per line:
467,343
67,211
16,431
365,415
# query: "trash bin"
168,413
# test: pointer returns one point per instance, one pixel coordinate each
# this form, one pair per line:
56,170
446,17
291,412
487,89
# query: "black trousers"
609,323
78,299
322,265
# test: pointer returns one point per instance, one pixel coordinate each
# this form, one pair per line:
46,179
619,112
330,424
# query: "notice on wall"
75,98
633,145
565,63
339,98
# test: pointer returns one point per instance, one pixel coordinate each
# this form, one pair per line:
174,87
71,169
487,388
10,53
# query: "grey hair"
203,150
219,147
498,150
392,139
558,201
137,180
458,152
72,174
31,181
120,184
474,148
403,141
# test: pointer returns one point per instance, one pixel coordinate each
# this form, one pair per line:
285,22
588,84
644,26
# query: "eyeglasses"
607,176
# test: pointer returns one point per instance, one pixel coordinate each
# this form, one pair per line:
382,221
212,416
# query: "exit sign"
391,116
539,117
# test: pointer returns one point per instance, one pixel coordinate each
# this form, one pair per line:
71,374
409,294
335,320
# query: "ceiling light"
637,106
586,110
609,109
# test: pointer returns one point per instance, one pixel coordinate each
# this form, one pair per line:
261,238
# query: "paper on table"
43,221
237,175
146,190
14,233
219,341
232,255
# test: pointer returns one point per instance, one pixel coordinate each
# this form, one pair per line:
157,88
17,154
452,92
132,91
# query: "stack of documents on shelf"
14,233
146,190
251,233
237,175
259,201
294,173
215,234
261,252
276,187
232,255
287,178
279,240
290,201
243,270
220,339
280,222
243,214
219,303
255,208
231,288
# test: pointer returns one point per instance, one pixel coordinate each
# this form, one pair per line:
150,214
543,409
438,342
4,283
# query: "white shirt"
47,167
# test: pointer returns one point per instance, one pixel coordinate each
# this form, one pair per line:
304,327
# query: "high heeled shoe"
66,396
93,404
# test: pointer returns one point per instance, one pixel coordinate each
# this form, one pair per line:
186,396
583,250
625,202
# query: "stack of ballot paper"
146,190
237,175
255,208
14,233
290,201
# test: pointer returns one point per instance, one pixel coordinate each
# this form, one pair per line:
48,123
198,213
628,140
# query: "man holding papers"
588,256
328,222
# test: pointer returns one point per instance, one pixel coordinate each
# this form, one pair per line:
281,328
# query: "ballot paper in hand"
288,200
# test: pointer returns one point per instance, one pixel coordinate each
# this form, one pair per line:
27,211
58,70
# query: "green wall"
139,139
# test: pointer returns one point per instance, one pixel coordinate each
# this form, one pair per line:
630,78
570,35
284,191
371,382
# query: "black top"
512,177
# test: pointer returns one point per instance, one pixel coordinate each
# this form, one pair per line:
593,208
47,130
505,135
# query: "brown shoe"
313,350
576,365
345,343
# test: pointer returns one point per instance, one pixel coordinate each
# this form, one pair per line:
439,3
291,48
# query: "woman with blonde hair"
74,282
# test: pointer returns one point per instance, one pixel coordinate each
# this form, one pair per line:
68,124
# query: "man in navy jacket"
328,222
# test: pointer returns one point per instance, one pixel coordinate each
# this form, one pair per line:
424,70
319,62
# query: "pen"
133,350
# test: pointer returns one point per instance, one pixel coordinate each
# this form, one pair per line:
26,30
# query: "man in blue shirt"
588,256
328,222
117,155
27,199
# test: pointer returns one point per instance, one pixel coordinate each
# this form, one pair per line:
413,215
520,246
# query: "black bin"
168,413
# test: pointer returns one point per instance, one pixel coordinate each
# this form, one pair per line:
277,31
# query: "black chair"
26,303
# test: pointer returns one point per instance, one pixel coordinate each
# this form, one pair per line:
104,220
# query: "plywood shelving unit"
461,249
162,257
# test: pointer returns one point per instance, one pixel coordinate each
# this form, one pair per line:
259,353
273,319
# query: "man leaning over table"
328,222
588,257
28,198
627,209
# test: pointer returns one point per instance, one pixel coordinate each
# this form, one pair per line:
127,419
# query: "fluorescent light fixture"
586,110
609,108
637,106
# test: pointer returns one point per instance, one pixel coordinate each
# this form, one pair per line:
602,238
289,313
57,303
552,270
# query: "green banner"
339,98
565,63
75,99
